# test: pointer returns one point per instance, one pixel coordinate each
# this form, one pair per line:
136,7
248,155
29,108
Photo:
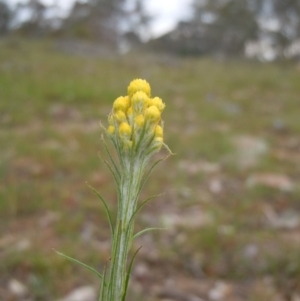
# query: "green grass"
51,104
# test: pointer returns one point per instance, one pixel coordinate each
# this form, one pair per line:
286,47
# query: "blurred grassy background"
231,192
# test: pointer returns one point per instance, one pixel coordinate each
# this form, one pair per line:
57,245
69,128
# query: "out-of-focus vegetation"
231,192
264,29
109,22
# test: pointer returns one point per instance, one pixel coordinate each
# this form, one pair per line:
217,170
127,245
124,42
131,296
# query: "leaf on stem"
113,277
111,158
169,150
112,172
148,174
80,263
146,230
102,294
106,208
142,205
129,272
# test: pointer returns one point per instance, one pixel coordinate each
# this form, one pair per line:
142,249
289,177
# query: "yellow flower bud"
158,140
125,129
127,101
120,116
130,112
121,104
139,101
111,129
156,101
130,115
135,121
152,114
157,143
139,121
159,131
139,85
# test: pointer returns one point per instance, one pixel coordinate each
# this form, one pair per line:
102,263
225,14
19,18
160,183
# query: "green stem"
123,235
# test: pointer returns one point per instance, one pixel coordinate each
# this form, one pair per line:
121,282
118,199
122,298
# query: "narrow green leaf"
168,149
141,206
129,272
114,254
80,263
106,209
111,158
116,177
148,174
146,230
103,285
112,172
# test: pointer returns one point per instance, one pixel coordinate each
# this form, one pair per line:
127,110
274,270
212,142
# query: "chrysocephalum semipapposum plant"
136,132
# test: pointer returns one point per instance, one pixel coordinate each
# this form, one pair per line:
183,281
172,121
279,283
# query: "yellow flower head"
139,101
130,115
135,121
125,129
152,114
120,116
111,130
157,143
156,101
139,85
159,131
139,121
121,104
130,112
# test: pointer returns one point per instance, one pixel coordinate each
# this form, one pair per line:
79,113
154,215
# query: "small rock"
194,167
22,245
220,291
209,167
271,180
17,288
87,232
195,217
84,293
51,217
185,192
249,150
226,229
279,125
289,219
215,186
141,270
251,251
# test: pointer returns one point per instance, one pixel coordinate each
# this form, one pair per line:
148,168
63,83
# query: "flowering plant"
136,131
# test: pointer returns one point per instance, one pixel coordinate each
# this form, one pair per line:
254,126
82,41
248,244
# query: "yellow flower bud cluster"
135,121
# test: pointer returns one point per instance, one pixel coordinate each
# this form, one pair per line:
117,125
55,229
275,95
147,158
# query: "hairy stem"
122,239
